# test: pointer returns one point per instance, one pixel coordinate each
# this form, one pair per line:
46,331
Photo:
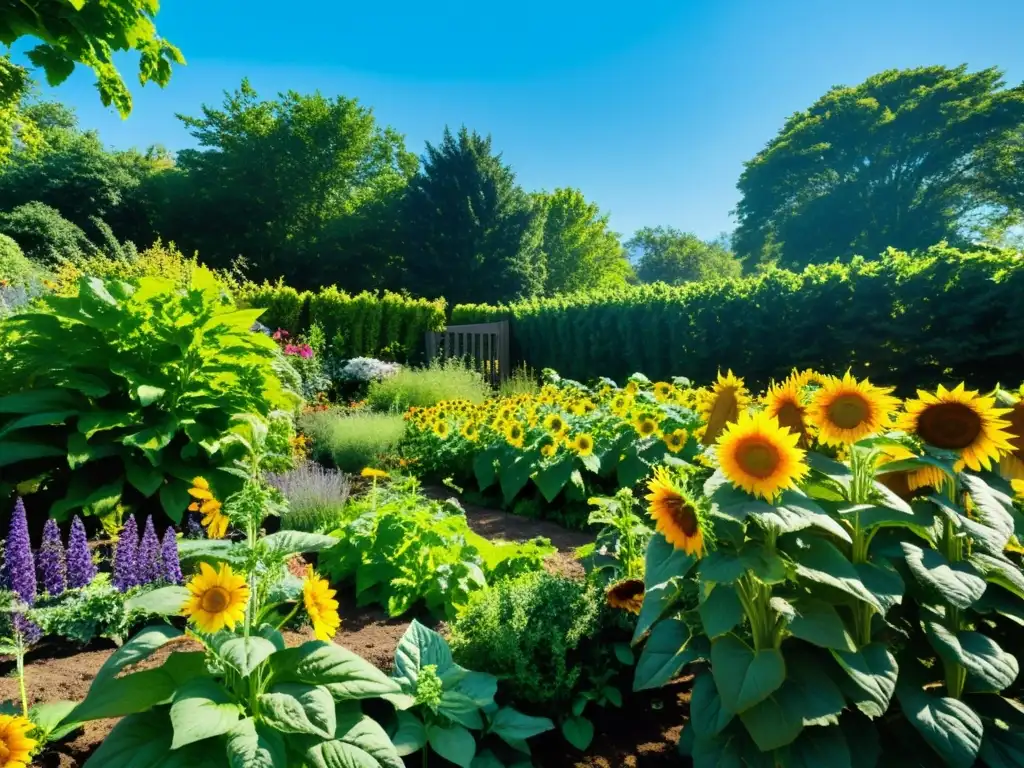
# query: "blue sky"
649,107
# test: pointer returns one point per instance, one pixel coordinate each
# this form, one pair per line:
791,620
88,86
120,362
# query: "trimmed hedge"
904,319
356,326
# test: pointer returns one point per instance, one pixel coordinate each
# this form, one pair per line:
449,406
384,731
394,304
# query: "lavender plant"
315,496
20,565
150,561
80,567
126,556
52,566
169,555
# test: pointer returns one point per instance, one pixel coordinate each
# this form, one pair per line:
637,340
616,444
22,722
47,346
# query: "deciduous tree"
665,254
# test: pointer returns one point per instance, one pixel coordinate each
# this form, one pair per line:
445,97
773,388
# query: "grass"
354,440
423,387
523,381
316,497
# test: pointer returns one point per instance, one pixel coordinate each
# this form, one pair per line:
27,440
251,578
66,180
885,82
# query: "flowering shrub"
316,496
366,369
306,356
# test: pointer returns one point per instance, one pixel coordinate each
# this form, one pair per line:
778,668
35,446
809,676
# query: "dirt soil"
644,733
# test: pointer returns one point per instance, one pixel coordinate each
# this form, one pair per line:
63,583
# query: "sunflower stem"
956,674
20,658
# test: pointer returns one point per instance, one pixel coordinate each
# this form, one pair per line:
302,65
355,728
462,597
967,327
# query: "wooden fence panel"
482,346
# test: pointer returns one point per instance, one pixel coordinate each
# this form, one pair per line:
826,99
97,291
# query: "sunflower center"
791,416
952,426
216,600
647,427
849,411
758,458
683,515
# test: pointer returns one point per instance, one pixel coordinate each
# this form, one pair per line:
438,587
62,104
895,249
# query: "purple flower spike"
169,551
151,565
126,557
28,629
81,570
21,568
51,560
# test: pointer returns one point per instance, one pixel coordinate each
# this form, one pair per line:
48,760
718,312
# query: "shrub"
351,442
366,369
81,615
316,496
528,632
15,267
127,391
890,317
44,235
423,387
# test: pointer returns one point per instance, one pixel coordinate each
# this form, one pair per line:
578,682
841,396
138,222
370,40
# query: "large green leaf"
664,567
721,566
818,560
359,742
883,581
13,451
514,475
146,478
162,601
1002,746
174,499
141,646
145,740
957,584
871,516
990,511
41,400
82,494
202,709
578,731
515,727
345,674
484,469
819,747
299,708
666,651
707,715
992,668
44,419
245,653
100,421
742,676
721,610
794,512
818,622
410,734
419,647
771,725
950,726
137,692
454,743
872,671
999,570
553,478
631,469
295,542
255,746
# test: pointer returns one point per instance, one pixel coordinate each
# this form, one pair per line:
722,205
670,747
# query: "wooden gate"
483,346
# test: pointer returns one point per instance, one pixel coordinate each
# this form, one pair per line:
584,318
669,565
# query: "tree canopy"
905,159
665,254
470,232
581,252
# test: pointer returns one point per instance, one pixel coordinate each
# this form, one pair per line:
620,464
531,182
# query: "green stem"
21,677
426,749
860,493
956,674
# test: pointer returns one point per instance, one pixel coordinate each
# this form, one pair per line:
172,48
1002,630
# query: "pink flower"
279,334
291,349
305,351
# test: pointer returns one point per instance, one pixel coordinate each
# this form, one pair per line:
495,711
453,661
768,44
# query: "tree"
471,233
80,32
271,175
905,159
45,236
668,255
581,252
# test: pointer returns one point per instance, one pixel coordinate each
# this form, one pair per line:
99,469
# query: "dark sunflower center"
952,426
216,599
849,411
584,443
791,416
627,590
757,458
646,427
683,515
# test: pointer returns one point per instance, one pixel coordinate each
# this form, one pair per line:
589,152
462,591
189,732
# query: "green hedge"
356,326
904,319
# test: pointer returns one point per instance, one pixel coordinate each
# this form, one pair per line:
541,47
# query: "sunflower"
959,420
215,521
722,405
555,424
902,482
846,410
441,429
514,434
200,489
675,440
1012,464
676,516
371,472
15,745
645,426
663,391
217,599
621,404
583,445
786,403
321,606
470,431
759,456
627,595
632,388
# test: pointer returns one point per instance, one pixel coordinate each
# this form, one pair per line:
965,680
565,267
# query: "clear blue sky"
649,107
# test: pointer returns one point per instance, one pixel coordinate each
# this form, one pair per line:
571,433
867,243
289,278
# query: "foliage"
905,159
15,267
144,396
472,233
363,370
890,317
352,441
664,254
268,178
550,643
617,553
316,497
424,387
159,260
83,614
450,702
256,702
522,381
401,548
581,253
563,444
46,237
90,34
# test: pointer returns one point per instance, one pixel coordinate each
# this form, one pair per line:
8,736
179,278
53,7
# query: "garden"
235,539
